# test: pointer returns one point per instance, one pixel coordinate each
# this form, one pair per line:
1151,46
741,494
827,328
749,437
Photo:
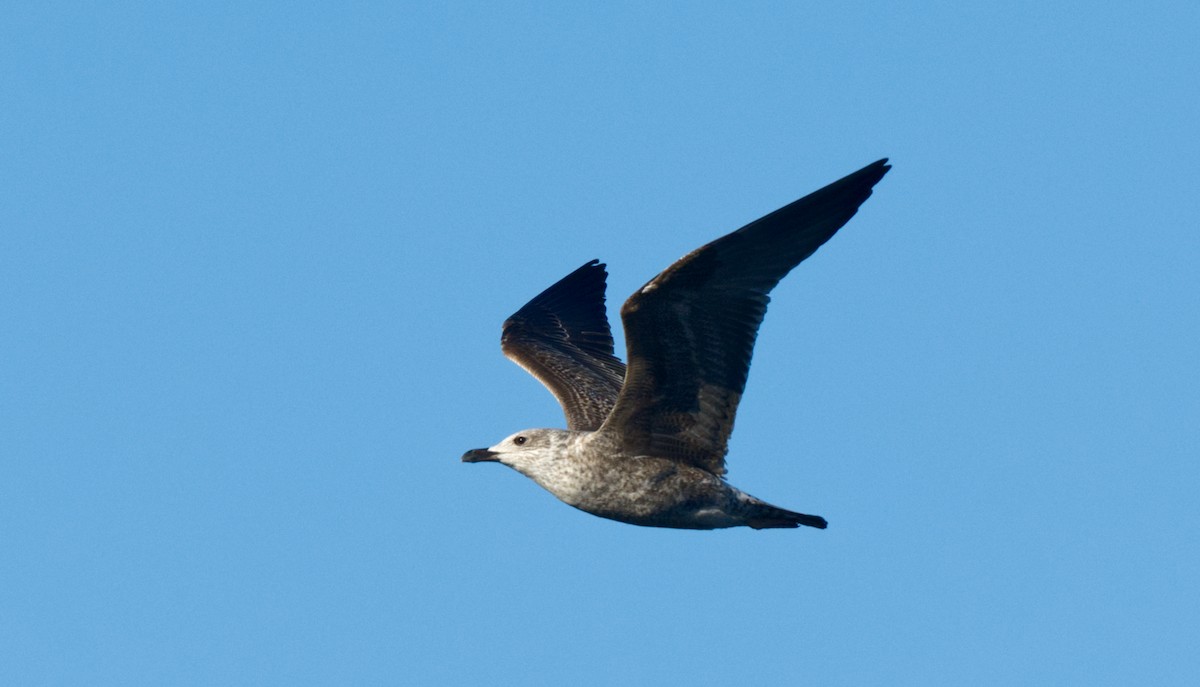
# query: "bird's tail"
762,516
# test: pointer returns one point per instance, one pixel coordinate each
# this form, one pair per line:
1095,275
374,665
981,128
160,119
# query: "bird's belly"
656,493
685,517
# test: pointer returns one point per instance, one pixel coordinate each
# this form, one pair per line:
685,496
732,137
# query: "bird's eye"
520,441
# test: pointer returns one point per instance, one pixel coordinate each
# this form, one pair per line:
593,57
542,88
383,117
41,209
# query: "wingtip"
882,166
591,265
866,177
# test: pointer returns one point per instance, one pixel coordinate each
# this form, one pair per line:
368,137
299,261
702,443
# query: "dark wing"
690,331
562,338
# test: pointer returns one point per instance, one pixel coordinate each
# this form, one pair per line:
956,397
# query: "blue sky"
255,261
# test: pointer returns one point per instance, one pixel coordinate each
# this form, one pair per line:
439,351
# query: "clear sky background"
255,259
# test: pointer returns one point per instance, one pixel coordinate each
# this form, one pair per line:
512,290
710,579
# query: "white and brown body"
587,470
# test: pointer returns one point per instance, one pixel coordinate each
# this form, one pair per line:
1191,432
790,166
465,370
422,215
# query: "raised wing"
562,338
690,331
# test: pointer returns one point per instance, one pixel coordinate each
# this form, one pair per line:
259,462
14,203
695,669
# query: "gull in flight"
645,443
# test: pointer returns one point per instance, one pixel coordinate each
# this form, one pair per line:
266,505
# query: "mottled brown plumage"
562,338
647,443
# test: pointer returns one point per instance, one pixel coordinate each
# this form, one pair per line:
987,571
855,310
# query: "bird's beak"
480,455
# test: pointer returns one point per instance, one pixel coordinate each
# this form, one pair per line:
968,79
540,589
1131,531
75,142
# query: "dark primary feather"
690,331
562,338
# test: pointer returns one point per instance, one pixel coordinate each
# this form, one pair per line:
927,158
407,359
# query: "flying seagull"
645,444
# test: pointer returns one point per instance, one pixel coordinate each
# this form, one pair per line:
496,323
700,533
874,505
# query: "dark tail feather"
767,516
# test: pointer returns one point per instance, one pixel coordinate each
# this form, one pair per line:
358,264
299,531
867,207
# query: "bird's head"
529,451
